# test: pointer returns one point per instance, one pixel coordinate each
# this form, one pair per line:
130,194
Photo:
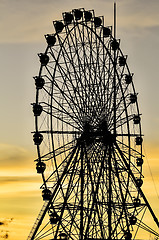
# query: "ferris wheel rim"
51,132
109,55
62,46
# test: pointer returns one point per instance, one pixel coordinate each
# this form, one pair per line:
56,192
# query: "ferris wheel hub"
100,133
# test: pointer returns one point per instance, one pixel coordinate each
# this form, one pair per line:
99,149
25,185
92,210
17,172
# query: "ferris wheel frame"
85,132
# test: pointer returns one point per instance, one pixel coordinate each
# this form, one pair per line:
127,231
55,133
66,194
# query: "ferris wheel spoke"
109,102
66,196
93,191
120,115
52,175
89,176
92,41
72,226
90,63
106,77
107,64
67,161
66,147
68,99
97,53
105,73
96,68
128,147
94,154
139,189
63,110
64,121
118,106
91,57
71,62
76,76
122,121
58,151
86,64
125,179
94,196
121,189
147,228
120,71
41,234
59,132
61,166
75,212
79,64
122,99
128,135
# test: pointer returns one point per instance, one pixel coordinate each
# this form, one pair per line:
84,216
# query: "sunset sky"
23,25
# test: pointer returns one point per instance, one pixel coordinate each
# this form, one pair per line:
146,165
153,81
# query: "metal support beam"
139,188
37,225
82,188
110,194
114,80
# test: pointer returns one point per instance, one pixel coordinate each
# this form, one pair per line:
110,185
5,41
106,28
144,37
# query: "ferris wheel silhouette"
88,136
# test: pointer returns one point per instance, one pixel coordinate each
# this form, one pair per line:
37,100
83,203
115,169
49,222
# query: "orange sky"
22,26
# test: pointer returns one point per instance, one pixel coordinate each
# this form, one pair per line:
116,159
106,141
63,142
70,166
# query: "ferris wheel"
88,136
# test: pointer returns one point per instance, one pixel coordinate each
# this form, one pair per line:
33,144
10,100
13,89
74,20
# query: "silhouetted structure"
88,135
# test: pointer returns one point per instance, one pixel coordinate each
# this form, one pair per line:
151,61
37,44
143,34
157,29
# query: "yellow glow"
21,197
23,25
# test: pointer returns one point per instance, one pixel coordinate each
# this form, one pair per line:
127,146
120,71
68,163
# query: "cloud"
18,179
17,167
13,156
